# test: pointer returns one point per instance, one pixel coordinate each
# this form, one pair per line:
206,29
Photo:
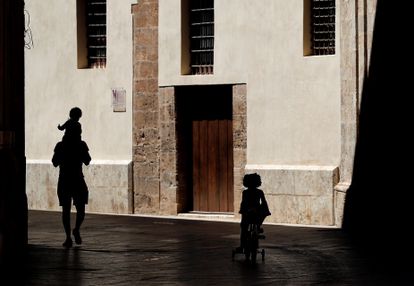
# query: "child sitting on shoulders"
72,126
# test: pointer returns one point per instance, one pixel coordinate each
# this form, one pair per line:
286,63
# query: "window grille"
323,27
202,36
96,33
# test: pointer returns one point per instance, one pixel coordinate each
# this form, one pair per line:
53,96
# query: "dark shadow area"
379,204
45,264
13,201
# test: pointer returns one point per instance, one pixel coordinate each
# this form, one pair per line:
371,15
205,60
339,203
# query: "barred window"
96,33
91,33
201,36
323,27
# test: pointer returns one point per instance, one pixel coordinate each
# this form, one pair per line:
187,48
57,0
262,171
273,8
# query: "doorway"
205,147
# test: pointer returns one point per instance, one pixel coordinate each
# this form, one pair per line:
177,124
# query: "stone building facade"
264,103
304,188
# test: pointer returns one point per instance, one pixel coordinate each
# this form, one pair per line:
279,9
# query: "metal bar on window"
323,27
202,36
96,33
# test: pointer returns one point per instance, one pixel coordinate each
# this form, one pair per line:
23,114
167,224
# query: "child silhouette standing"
72,126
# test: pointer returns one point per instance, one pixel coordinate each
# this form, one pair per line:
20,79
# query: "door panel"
196,164
212,165
203,175
230,167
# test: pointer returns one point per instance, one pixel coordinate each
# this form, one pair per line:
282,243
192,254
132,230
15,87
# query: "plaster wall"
293,101
54,84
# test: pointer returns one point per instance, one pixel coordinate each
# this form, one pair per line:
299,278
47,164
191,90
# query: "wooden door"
212,141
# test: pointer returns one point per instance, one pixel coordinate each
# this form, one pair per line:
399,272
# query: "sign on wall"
119,99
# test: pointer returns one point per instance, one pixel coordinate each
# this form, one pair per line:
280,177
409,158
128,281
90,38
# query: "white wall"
230,44
293,101
54,84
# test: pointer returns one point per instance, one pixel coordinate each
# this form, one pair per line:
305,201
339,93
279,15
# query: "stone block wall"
146,142
299,194
168,152
239,140
109,184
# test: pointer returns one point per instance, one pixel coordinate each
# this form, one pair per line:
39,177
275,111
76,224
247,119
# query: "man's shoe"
77,236
68,243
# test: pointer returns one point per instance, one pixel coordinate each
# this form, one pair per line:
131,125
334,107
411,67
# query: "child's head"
252,180
75,113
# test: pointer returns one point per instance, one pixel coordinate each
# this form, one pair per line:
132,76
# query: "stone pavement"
136,250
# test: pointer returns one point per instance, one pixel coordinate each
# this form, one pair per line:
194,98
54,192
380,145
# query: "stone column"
168,152
356,28
146,143
239,140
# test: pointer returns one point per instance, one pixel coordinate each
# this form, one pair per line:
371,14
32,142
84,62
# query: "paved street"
132,250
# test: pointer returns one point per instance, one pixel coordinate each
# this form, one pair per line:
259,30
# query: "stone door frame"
158,185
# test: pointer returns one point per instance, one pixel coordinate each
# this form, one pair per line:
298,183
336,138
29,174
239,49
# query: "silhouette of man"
69,155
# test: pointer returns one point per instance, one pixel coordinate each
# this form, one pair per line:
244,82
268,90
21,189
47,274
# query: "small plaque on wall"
119,100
